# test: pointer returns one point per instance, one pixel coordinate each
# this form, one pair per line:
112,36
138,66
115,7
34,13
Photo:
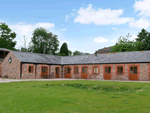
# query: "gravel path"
3,80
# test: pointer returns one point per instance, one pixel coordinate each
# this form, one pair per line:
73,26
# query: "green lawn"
74,97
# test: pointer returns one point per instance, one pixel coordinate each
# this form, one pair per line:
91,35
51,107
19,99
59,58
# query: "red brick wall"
25,71
143,71
53,72
12,70
26,74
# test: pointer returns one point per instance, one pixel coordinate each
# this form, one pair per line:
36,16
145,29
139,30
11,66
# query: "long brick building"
109,66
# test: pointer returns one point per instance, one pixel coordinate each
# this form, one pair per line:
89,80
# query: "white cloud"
22,29
133,37
73,9
101,16
67,16
1,21
114,40
63,29
114,28
46,25
100,40
141,23
63,41
143,7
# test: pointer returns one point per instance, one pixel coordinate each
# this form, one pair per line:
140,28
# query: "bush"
106,88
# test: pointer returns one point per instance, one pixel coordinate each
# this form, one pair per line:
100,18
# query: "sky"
85,25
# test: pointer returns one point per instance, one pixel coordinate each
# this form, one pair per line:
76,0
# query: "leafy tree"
64,50
124,44
23,49
7,37
43,42
79,53
69,52
144,37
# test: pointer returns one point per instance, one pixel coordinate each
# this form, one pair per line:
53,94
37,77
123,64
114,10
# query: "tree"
43,42
79,53
144,38
7,37
69,52
124,44
64,50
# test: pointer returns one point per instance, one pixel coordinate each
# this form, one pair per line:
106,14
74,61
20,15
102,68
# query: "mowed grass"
74,97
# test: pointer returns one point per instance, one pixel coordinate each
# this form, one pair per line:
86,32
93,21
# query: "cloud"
73,9
114,40
63,41
63,29
133,37
1,21
100,40
141,23
22,29
143,7
67,16
114,28
101,16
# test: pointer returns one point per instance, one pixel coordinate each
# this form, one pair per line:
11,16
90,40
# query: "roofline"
84,64
107,63
38,63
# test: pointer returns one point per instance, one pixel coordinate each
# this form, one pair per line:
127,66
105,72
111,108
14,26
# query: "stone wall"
12,70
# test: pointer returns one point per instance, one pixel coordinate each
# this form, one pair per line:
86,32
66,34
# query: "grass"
74,97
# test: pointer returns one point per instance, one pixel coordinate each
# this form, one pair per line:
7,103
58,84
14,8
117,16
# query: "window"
75,70
57,70
69,69
107,69
84,69
44,69
66,70
133,70
95,70
120,70
30,69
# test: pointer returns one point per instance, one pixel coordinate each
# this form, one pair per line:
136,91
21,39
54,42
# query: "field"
74,97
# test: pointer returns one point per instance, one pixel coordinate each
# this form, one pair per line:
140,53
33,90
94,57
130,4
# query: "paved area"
4,80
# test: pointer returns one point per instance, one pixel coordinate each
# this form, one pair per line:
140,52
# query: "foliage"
23,49
7,37
79,53
69,52
144,38
43,42
64,50
124,44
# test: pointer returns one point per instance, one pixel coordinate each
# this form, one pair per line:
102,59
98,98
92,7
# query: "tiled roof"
119,57
3,49
37,58
104,50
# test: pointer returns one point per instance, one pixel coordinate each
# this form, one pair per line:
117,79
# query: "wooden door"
84,72
57,72
133,73
107,73
44,71
67,72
